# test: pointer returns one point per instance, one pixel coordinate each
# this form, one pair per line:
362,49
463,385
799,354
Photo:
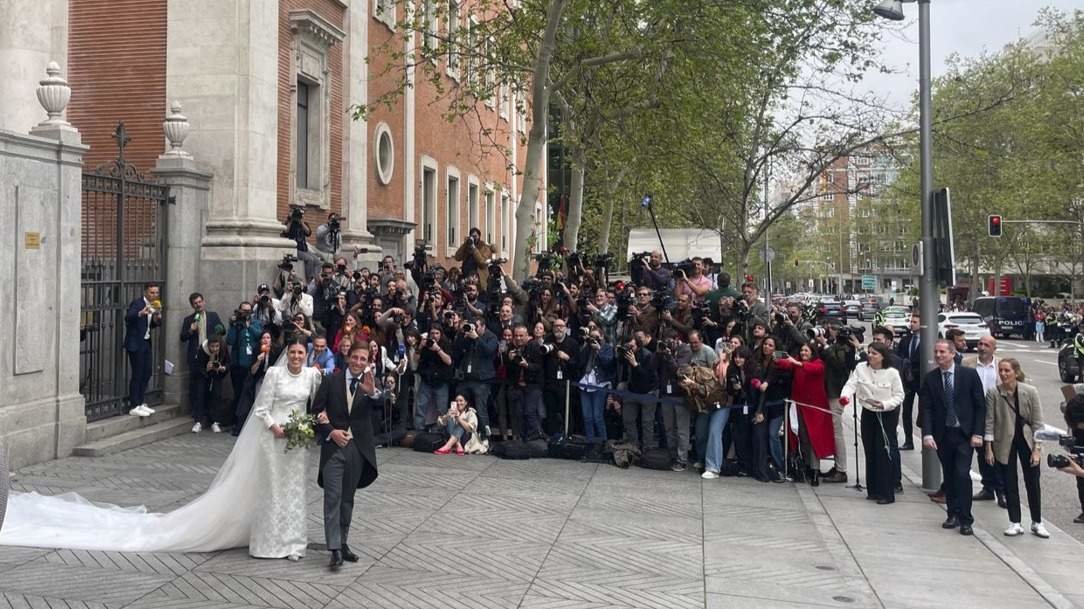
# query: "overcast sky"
964,27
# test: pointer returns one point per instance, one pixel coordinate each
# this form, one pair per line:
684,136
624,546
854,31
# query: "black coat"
910,365
969,400
191,339
331,398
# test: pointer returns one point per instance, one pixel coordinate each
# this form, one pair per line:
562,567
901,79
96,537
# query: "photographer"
210,368
474,350
692,281
524,363
791,331
596,360
298,230
297,328
434,366
672,355
472,308
640,401
655,276
343,274
295,300
560,365
323,288
772,385
749,309
243,340
266,309
643,315
431,310
329,236
474,254
604,314
1074,418
680,319
840,359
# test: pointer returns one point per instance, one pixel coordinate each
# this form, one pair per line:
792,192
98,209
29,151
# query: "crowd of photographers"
674,360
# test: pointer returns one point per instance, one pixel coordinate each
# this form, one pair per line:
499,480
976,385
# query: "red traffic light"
995,226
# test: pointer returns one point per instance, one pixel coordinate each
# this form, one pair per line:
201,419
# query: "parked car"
972,324
831,309
852,308
1006,315
871,305
897,319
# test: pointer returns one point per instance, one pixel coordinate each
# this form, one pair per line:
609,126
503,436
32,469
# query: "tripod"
857,466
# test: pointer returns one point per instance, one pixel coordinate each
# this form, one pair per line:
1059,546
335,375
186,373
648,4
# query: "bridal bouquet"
300,431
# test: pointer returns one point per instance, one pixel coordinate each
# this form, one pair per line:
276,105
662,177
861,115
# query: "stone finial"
176,127
54,95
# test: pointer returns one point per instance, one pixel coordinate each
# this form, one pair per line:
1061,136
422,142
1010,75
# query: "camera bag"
427,442
574,448
407,441
510,449
655,458
538,449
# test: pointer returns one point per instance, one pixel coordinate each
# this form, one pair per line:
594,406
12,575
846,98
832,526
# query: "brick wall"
117,71
333,12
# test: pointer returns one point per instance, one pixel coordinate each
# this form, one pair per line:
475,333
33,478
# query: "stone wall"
41,409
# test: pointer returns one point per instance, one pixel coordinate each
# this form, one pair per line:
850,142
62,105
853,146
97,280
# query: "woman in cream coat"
878,390
1013,413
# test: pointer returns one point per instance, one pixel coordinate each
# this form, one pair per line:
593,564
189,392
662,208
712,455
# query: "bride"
256,500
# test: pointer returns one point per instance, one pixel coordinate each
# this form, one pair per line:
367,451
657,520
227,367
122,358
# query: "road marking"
1043,361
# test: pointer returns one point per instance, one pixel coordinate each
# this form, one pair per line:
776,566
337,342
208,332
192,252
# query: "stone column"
186,215
222,61
41,410
356,160
32,32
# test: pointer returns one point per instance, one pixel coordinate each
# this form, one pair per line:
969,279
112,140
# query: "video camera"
417,262
843,337
1076,453
663,301
636,266
287,262
547,261
685,267
297,214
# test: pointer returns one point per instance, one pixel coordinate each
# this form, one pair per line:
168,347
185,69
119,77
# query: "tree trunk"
575,201
608,216
536,142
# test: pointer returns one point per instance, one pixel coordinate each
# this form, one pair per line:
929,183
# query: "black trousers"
1021,452
908,416
954,451
140,362
742,435
881,452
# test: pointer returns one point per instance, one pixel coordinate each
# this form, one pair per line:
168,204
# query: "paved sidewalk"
547,533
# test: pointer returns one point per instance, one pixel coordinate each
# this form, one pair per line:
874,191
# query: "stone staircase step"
136,437
113,426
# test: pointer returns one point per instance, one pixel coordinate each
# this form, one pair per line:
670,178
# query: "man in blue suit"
138,322
953,422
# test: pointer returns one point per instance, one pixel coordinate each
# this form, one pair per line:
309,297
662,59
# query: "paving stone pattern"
465,532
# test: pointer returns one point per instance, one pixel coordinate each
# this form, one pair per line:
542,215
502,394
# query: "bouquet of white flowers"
300,431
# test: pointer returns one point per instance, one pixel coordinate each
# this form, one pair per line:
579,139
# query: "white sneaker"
709,475
147,409
1015,529
197,428
215,428
1039,530
140,411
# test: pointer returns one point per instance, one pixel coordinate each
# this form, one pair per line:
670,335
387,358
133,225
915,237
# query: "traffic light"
995,226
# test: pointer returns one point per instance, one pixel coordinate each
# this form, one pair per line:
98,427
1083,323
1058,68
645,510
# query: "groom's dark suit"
345,469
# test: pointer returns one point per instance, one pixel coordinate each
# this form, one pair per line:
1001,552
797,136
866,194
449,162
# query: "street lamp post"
928,297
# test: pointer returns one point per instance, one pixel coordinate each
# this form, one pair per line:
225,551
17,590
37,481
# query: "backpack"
574,448
407,441
625,454
655,458
538,449
427,442
511,449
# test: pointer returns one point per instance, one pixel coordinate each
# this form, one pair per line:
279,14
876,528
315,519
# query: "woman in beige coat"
1013,414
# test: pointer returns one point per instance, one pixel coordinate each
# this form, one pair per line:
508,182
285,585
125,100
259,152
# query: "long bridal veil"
218,519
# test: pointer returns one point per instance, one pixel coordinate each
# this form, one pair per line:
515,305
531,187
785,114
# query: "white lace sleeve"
261,409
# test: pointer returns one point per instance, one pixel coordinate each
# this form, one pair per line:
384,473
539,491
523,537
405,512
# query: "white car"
971,323
897,319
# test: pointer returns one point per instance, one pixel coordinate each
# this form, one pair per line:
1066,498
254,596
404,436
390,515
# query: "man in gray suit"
344,404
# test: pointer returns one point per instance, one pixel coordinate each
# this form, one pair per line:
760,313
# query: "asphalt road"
1040,364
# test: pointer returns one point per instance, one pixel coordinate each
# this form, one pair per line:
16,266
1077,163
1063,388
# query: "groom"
346,400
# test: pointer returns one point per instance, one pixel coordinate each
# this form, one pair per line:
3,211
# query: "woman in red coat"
815,433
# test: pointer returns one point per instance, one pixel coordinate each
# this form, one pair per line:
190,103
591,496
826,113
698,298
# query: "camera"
779,318
297,289
622,351
333,224
297,214
417,262
846,333
468,327
663,301
547,348
685,267
287,262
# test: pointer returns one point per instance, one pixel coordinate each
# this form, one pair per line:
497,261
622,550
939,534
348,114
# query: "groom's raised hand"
368,383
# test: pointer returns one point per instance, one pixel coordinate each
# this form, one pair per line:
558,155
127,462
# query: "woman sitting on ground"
461,422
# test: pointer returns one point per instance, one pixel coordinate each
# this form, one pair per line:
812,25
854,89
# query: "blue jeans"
713,460
592,404
432,399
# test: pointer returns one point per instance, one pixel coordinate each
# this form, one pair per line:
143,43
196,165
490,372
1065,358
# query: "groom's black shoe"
349,556
336,560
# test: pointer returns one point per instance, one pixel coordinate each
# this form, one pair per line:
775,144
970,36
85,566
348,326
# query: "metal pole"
928,300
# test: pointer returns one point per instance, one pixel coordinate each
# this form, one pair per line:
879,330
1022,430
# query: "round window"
385,153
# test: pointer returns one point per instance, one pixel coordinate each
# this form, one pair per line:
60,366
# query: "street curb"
1007,556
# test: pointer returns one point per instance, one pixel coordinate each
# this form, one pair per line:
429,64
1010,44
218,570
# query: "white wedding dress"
257,499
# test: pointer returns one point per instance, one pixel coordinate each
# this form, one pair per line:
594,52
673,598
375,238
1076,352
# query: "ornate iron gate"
124,247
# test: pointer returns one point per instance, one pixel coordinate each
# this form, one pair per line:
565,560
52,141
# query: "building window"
521,113
472,203
429,203
491,216
301,152
429,16
452,210
506,223
488,73
384,153
502,109
384,12
453,42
